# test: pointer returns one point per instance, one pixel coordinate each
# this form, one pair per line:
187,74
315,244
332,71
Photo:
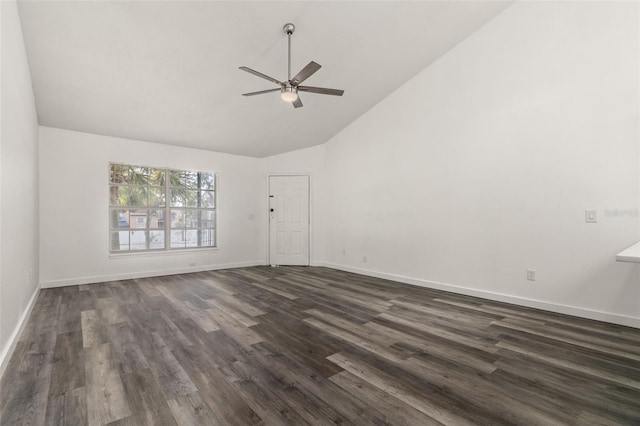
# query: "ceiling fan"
289,89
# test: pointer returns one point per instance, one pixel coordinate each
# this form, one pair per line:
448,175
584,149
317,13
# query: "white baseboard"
144,274
10,346
499,297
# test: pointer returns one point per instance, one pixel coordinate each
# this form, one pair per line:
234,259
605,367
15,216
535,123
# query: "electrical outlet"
364,259
591,216
531,274
344,252
192,264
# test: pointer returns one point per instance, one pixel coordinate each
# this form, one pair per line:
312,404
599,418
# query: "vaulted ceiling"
167,71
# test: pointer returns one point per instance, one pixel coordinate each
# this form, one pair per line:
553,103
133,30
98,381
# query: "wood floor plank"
319,391
93,328
68,372
310,345
209,279
149,407
199,316
232,326
555,390
173,380
303,348
25,410
191,410
55,410
241,306
288,386
232,312
257,391
453,351
129,355
167,329
567,351
484,344
214,389
126,292
45,314
69,408
276,290
493,398
441,313
106,400
146,285
386,383
624,350
110,311
24,387
357,340
350,312
69,317
622,380
393,408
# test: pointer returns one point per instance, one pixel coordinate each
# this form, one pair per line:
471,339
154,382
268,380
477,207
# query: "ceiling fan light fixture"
289,94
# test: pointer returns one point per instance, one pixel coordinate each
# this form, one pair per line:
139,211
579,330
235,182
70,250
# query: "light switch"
591,216
531,274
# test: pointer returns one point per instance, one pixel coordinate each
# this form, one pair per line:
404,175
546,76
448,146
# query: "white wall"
74,243
18,183
308,161
483,165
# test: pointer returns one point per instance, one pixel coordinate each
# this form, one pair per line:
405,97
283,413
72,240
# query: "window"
141,198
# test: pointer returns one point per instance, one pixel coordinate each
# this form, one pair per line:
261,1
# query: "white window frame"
167,208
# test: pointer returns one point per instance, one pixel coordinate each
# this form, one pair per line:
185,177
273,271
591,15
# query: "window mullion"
167,210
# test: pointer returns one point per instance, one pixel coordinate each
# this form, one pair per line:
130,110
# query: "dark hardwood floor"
294,345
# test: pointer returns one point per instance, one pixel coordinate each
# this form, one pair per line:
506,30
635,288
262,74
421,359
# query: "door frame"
309,175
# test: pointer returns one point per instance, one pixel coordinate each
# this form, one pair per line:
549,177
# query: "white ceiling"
167,71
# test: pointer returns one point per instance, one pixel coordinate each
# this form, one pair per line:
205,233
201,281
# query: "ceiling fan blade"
321,90
260,92
297,103
305,73
259,74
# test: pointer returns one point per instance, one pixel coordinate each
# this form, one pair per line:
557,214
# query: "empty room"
320,212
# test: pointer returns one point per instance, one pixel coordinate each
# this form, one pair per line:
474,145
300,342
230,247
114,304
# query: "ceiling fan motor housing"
289,28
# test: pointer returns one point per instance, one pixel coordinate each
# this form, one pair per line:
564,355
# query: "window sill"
161,253
632,254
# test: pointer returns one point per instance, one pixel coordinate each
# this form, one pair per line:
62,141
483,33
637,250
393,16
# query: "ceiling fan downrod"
288,30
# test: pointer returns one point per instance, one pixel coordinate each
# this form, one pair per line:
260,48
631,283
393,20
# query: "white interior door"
289,220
